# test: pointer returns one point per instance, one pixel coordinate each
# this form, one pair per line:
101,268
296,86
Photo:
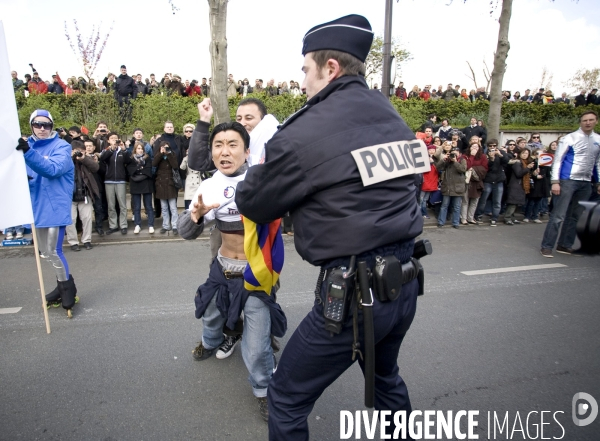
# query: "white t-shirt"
220,189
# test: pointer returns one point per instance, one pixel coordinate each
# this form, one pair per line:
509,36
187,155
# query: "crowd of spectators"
109,164
173,84
472,176
125,86
457,93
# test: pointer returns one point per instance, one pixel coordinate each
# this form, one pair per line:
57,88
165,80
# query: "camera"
78,154
61,129
102,130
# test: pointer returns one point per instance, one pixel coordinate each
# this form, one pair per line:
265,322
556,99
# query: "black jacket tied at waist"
231,307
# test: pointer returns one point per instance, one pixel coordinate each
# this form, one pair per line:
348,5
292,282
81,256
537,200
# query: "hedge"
151,111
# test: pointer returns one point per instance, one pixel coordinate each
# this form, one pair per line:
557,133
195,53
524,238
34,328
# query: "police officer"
339,167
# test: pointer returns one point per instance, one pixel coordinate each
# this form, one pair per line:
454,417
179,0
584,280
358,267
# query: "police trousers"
313,359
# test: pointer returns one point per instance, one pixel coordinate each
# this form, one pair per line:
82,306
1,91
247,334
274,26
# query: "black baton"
367,307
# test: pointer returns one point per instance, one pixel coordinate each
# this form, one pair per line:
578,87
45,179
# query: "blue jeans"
496,190
544,205
423,198
136,202
532,208
455,201
166,206
256,340
566,209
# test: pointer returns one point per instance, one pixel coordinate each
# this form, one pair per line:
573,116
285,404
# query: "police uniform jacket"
310,172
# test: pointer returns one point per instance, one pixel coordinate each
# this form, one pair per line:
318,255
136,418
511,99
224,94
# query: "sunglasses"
41,125
493,145
512,145
188,131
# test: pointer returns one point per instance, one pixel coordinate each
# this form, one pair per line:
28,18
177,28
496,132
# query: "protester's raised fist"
205,110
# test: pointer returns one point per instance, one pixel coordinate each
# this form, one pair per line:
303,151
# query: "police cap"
351,34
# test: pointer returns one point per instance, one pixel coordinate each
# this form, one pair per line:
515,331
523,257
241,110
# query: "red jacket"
430,180
68,89
425,95
471,161
191,91
37,88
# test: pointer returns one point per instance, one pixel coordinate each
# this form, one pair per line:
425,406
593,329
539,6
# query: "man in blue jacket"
51,172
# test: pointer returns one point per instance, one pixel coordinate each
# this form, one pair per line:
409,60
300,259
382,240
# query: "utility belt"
357,286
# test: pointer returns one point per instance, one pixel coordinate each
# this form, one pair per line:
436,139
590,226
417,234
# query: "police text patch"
391,160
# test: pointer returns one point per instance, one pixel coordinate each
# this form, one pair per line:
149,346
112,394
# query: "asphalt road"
121,369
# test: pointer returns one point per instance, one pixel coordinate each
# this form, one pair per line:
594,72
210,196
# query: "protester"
220,301
51,171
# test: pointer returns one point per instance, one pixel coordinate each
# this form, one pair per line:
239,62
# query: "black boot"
53,297
68,292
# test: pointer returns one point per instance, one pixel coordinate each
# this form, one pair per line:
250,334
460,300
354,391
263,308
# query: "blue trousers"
496,190
454,202
565,213
313,359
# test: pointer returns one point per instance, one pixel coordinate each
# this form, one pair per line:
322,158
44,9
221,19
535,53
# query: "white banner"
15,201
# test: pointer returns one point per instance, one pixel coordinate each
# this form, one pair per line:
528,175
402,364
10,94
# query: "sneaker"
274,363
546,252
163,230
516,222
151,230
509,222
537,221
9,236
492,223
228,346
526,220
123,230
175,232
88,245
564,250
455,226
440,226
472,222
201,353
263,407
425,217
137,229
112,230
75,247
19,236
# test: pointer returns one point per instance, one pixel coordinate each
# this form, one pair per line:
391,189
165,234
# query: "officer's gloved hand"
23,145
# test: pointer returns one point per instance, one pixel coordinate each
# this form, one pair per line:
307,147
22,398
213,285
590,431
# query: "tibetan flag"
263,246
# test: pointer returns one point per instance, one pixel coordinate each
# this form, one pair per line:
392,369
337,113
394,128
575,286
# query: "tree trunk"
218,60
498,72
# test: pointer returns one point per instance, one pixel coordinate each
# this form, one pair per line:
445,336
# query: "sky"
265,38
